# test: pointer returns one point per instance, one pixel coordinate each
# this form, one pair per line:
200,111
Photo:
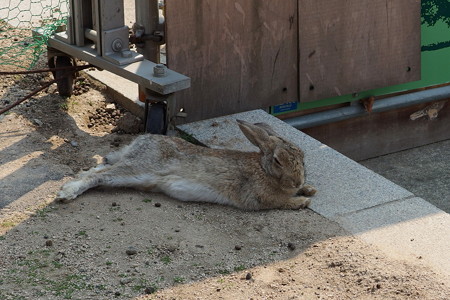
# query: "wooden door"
248,54
348,46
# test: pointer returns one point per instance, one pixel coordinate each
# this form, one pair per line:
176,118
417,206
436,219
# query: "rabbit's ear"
267,128
256,135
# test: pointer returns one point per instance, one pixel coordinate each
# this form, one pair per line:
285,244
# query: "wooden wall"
348,46
237,53
248,54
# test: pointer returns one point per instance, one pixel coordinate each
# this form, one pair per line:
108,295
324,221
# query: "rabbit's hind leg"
83,181
108,176
74,188
113,157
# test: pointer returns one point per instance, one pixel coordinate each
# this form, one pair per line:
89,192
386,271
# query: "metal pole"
335,115
147,19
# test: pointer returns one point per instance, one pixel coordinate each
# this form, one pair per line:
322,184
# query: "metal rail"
344,113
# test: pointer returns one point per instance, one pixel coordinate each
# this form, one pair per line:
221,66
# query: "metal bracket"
101,23
115,47
139,37
141,72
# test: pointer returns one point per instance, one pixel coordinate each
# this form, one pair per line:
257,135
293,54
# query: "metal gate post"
147,24
149,31
102,23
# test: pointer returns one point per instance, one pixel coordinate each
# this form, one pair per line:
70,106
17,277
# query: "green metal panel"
435,55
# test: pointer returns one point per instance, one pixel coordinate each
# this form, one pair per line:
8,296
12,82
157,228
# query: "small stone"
124,281
149,290
110,107
131,251
38,122
291,246
237,247
48,243
117,294
157,204
172,248
248,276
74,143
114,204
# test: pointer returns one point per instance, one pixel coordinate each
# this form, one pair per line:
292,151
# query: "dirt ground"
126,244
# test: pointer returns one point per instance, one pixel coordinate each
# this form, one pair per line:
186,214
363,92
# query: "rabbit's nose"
298,184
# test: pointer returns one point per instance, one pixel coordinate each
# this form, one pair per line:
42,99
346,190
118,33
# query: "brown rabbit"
271,178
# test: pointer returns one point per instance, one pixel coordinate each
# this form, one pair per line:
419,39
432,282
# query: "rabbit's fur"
271,178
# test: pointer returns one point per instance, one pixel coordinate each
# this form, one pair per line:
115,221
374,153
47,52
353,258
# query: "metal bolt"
117,45
159,70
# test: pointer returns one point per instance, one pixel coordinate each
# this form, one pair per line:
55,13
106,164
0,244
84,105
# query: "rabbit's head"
280,159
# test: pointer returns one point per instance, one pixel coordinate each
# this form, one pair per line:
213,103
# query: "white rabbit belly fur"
186,190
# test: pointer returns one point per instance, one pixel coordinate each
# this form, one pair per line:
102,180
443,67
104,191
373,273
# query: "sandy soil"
126,244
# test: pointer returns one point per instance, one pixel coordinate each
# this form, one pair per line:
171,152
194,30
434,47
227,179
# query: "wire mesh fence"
18,47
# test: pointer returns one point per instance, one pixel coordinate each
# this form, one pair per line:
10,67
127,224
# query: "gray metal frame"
96,34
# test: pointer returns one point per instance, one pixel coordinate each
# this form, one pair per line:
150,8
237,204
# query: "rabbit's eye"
277,161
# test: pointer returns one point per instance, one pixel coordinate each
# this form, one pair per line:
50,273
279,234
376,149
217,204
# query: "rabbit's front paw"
297,202
307,190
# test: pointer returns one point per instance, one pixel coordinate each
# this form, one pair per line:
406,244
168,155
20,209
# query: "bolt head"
159,70
117,45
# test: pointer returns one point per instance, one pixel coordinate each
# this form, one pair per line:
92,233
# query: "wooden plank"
384,133
240,54
348,46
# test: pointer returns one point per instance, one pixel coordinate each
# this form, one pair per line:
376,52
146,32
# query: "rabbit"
273,178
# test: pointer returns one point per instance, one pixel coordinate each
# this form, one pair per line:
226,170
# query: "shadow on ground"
425,171
120,244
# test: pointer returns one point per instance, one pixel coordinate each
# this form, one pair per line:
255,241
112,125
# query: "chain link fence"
18,47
